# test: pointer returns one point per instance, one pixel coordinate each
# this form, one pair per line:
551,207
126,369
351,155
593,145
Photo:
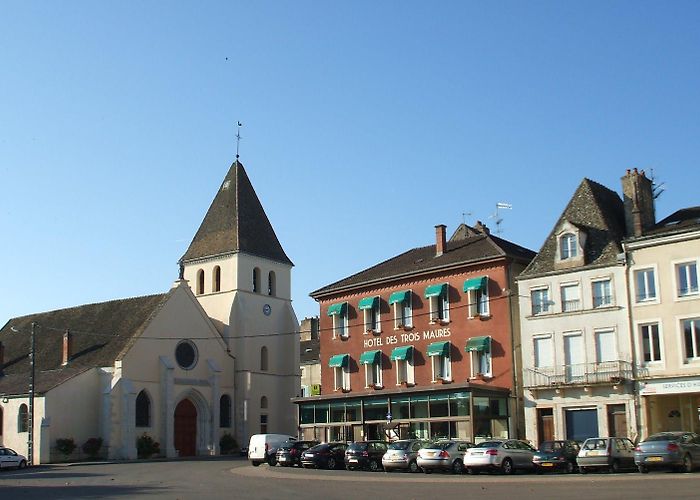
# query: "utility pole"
30,433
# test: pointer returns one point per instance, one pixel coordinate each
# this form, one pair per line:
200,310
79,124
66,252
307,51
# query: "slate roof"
100,333
685,219
472,248
236,222
310,351
599,212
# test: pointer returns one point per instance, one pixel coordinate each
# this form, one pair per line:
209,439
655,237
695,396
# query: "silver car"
403,454
607,453
505,455
679,451
10,458
443,455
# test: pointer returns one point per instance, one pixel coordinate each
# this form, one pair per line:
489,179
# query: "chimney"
440,239
481,227
638,196
67,347
2,358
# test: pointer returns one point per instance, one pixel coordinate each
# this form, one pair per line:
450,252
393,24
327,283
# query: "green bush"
227,444
66,446
146,447
92,446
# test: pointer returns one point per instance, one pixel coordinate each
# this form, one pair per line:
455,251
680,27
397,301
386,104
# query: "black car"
290,452
556,455
365,455
324,456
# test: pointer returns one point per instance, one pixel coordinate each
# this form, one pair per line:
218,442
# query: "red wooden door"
186,428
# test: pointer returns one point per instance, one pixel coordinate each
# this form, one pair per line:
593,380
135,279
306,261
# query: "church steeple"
236,222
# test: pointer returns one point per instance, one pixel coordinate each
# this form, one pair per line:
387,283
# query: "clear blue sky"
366,123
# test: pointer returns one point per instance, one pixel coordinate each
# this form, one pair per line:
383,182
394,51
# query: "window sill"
405,384
442,381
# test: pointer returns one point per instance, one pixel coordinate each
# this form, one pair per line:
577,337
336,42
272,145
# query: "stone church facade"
217,354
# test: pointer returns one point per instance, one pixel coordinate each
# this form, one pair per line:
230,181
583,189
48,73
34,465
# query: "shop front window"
321,413
439,406
306,414
376,409
337,412
459,404
399,408
353,411
419,407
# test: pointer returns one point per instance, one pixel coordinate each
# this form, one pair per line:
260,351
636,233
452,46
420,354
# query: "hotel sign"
407,338
670,387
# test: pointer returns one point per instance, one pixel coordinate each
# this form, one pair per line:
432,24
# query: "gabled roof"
599,212
685,219
100,333
236,222
462,248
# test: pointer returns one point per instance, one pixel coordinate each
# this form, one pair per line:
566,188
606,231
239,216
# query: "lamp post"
30,434
32,376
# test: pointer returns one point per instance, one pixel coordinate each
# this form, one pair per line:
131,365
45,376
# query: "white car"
505,455
10,458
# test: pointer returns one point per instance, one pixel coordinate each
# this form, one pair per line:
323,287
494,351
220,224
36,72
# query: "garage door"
581,424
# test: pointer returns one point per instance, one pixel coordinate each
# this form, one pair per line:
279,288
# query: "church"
215,356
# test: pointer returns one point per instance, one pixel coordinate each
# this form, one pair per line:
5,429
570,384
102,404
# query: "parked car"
262,447
443,455
613,454
505,455
679,451
365,455
324,456
403,454
10,458
556,455
289,453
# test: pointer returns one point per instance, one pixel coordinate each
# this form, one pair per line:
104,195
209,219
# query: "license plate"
547,464
595,453
283,459
655,459
352,460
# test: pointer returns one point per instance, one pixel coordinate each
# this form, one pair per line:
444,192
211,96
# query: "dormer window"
568,246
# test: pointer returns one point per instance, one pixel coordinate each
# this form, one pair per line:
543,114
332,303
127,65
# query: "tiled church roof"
100,333
236,221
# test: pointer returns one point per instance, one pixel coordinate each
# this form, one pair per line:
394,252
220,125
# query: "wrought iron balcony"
606,372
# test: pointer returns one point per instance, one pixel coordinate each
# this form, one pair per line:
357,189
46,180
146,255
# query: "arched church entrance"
186,428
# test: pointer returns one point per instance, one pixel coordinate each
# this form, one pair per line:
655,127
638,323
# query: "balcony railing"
606,372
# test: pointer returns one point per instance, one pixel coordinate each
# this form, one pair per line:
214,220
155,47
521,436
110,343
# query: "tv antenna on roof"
238,138
497,217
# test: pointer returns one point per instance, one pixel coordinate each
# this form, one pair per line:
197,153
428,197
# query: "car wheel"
507,467
374,466
22,464
347,467
272,461
331,464
413,466
614,467
570,469
643,469
473,471
583,470
255,464
687,464
457,467
538,470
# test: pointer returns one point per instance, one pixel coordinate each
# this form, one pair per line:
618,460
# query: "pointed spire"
236,222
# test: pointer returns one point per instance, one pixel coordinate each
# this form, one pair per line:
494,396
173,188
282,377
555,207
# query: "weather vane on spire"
238,138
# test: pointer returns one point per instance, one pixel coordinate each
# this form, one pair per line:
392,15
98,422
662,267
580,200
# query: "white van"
263,447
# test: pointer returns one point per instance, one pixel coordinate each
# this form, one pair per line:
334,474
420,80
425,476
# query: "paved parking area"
235,478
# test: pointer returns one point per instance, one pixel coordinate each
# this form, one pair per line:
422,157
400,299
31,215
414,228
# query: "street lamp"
32,376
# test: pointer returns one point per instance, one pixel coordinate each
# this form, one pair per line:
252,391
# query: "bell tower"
239,272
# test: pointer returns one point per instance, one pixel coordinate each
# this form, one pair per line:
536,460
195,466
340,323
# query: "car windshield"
358,447
489,444
550,446
400,445
595,444
318,447
663,437
439,445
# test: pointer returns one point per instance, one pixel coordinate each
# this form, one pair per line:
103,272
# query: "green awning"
335,309
370,357
399,297
435,290
339,360
439,349
368,302
479,344
402,353
475,284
